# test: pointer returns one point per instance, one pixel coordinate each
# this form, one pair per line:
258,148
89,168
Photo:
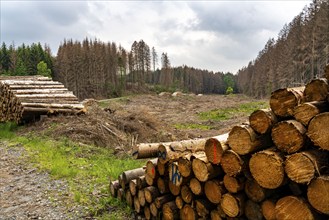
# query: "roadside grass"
87,170
192,126
228,113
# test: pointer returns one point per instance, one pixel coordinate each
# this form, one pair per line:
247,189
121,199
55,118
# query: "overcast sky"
214,35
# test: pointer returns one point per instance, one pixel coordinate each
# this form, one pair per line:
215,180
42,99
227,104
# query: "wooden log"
27,87
159,201
129,198
244,140
147,212
188,213
283,101
267,169
214,189
141,197
150,193
234,184
133,187
316,90
141,182
292,207
177,149
306,111
318,130
122,184
204,170
137,206
29,82
145,150
253,211
131,174
203,207
268,209
232,163
215,215
179,202
174,175
262,120
318,194
150,181
185,165
196,187
174,189
289,136
233,204
162,184
186,194
53,95
214,148
52,105
255,192
170,211
121,194
114,186
162,168
151,168
154,209
40,91
302,167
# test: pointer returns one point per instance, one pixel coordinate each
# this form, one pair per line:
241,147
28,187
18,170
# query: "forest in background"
95,69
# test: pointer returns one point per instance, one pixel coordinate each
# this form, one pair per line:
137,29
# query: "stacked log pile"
24,98
274,167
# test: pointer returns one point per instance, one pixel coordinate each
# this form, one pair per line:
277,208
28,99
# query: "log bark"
316,90
318,130
302,167
114,186
233,204
244,140
253,211
197,187
232,163
289,136
262,120
150,193
132,174
170,211
292,207
318,194
214,148
306,111
204,170
145,150
234,184
283,101
188,213
214,189
186,194
267,169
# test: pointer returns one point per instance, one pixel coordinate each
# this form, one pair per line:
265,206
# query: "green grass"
7,130
192,126
228,113
87,169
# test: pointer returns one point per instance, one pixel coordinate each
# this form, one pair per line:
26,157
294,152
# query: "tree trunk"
214,148
262,120
306,111
318,194
318,130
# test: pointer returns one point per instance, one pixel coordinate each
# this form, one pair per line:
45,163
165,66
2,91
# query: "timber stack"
25,98
273,167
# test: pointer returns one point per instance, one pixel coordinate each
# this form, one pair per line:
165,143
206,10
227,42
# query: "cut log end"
262,120
318,194
318,130
292,207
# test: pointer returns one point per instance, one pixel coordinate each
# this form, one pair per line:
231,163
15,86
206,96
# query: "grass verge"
192,126
228,113
87,169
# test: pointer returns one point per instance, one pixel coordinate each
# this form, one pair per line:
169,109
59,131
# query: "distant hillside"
299,54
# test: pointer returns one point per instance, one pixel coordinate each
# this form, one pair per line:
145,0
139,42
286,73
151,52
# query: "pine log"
267,168
145,150
203,207
147,212
122,184
255,192
283,101
185,165
306,111
188,213
318,194
215,215
262,120
215,147
52,105
141,182
121,194
131,174
141,197
170,211
40,91
27,87
244,140
137,205
150,181
232,163
177,149
154,209
129,198
234,184
196,186
233,204
133,187
162,184
186,194
289,136
162,168
174,189
318,130
302,167
150,193
151,168
159,201
204,170
292,207
179,202
29,82
174,175
268,209
253,211
316,90
214,189
114,186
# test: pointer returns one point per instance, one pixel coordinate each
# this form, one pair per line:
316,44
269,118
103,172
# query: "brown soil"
123,122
